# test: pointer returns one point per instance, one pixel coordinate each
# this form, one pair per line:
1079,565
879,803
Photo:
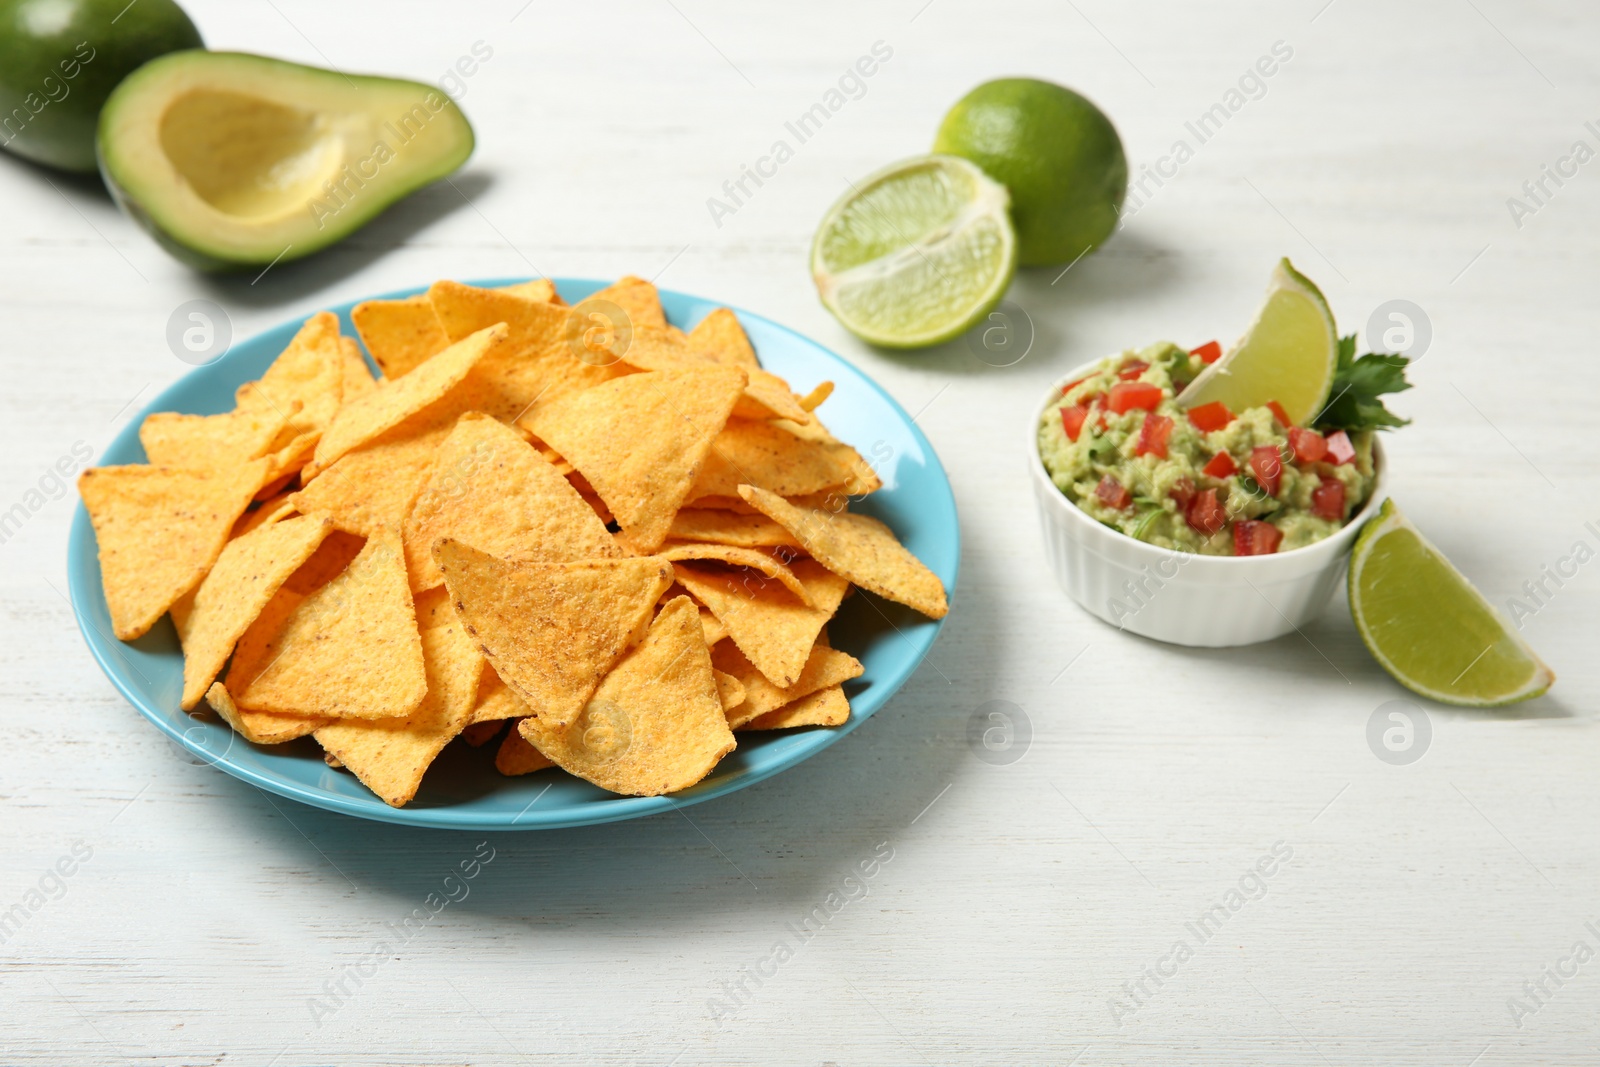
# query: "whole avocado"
1056,153
60,59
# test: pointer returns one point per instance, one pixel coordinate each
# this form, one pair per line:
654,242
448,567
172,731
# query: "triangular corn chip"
719,337
730,690
349,650
395,401
338,551
542,290
813,400
376,484
356,379
717,527
159,530
516,756
260,727
656,724
768,623
748,452
552,630
206,442
310,373
491,490
496,700
824,667
825,707
766,396
859,548
268,511
735,556
635,296
246,576
640,440
400,334
390,755
478,734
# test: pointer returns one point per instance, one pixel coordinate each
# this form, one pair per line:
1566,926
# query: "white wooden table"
1023,902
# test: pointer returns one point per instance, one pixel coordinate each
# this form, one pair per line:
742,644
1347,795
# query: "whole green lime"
60,59
1056,152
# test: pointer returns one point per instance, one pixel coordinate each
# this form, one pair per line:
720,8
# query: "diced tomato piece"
1212,416
1182,491
1153,436
1278,413
1132,369
1252,537
1209,352
1112,493
1072,420
1070,386
1340,450
1309,445
1220,466
1327,501
1205,512
1125,396
1267,465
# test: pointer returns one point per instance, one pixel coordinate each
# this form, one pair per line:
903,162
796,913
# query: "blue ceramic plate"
462,790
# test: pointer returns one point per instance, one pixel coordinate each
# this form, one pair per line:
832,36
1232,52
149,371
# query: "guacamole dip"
1206,480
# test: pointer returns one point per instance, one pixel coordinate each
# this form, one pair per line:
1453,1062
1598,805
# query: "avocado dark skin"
60,59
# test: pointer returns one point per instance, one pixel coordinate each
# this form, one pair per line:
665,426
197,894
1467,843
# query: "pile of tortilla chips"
622,540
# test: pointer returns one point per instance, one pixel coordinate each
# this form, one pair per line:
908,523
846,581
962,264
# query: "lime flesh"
917,253
1289,354
1427,625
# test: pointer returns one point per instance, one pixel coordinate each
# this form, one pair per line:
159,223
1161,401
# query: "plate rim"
81,539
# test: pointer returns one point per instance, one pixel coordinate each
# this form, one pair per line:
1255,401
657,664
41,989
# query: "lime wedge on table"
1427,625
917,253
1289,355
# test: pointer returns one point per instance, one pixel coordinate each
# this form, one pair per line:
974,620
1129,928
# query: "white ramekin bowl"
1181,597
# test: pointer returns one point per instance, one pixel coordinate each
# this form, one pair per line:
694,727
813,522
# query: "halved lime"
917,253
1289,354
1426,624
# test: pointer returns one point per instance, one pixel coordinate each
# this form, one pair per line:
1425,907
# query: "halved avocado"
233,160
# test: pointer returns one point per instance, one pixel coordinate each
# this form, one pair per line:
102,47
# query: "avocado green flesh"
60,59
235,161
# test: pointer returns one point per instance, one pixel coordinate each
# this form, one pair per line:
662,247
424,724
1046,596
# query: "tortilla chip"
390,756
717,527
768,624
206,442
516,756
541,290
433,608
862,479
159,531
496,700
747,452
310,372
824,667
245,577
356,377
655,725
719,337
259,727
714,630
338,551
400,334
813,400
349,650
734,556
375,484
641,439
825,707
478,734
730,690
766,396
489,489
552,630
859,548
268,511
635,296
391,404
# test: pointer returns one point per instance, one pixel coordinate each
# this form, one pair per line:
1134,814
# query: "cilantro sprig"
1354,402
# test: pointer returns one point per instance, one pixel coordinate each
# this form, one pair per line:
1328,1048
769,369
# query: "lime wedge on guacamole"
1289,354
917,253
1426,624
